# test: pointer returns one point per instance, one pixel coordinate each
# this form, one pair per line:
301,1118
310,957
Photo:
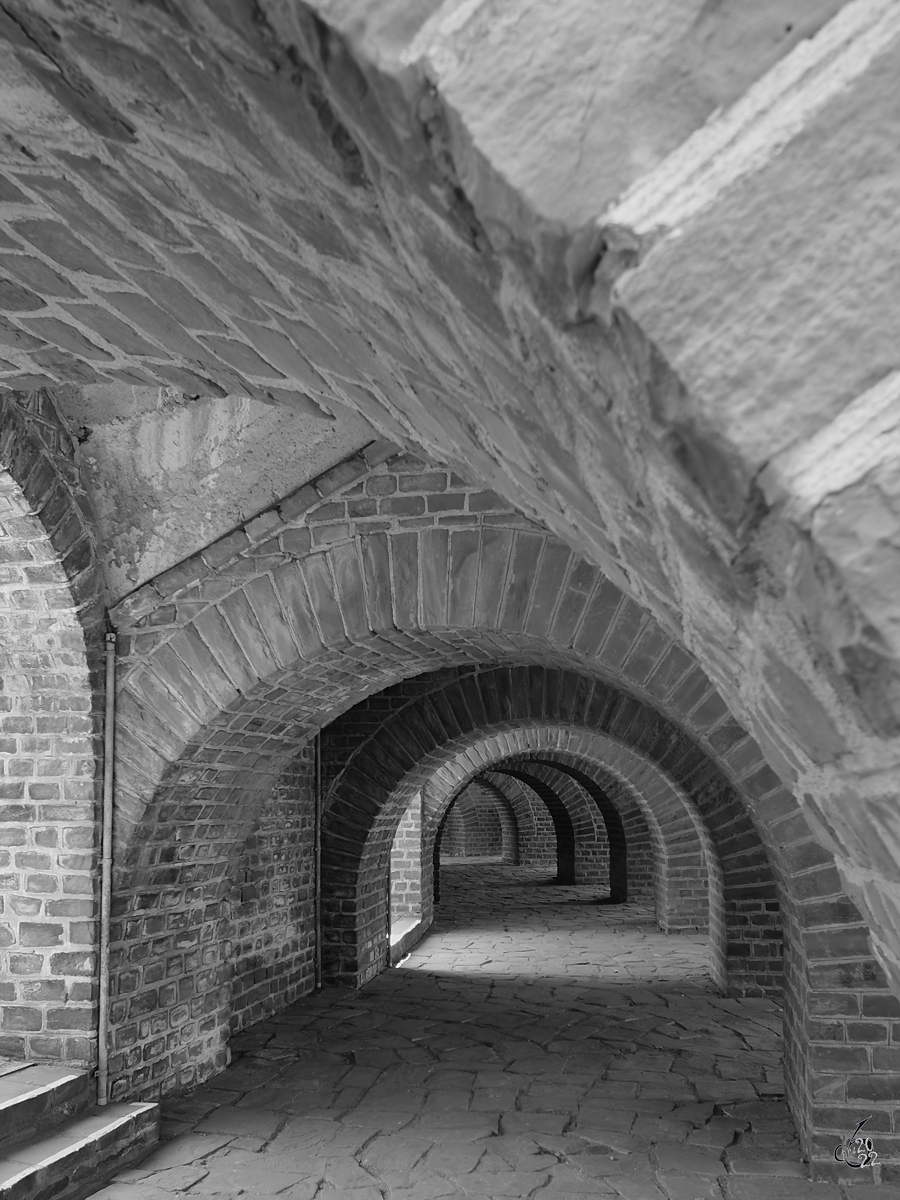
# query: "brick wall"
406,863
50,725
220,932
273,925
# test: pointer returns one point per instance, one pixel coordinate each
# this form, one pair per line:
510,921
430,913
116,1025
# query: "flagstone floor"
534,1044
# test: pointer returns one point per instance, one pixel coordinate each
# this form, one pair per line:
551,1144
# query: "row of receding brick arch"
389,767
219,696
269,648
630,864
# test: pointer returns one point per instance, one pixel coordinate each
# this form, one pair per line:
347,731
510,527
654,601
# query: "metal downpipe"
106,865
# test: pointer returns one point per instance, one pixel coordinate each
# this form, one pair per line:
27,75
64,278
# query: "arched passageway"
563,828
409,647
480,823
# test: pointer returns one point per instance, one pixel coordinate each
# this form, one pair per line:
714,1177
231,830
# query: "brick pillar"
50,704
406,863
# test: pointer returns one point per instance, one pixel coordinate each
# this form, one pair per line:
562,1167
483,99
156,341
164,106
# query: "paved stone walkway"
535,1045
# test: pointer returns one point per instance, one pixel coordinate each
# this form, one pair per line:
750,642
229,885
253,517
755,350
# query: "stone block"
112,330
876,1088
20,1019
67,337
37,275
265,605
240,356
58,243
404,506
152,321
76,963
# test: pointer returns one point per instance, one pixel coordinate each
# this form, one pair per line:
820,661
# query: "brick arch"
329,613
51,629
687,873
820,922
268,621
353,846
241,653
563,825
238,656
514,820
590,854
616,844
535,829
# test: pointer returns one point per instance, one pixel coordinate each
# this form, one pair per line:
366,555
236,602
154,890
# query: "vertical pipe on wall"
106,863
318,857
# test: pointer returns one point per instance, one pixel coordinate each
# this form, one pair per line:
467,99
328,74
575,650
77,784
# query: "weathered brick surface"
209,246
50,722
708,871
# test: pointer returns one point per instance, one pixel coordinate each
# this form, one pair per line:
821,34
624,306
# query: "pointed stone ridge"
862,438
745,137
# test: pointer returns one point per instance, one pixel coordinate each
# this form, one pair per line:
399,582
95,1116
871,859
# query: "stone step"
36,1097
74,1160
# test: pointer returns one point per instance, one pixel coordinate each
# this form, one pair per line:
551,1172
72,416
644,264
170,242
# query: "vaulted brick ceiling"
630,301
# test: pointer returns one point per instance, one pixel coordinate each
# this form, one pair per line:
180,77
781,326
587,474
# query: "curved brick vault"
686,877
562,780
657,844
51,628
233,660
